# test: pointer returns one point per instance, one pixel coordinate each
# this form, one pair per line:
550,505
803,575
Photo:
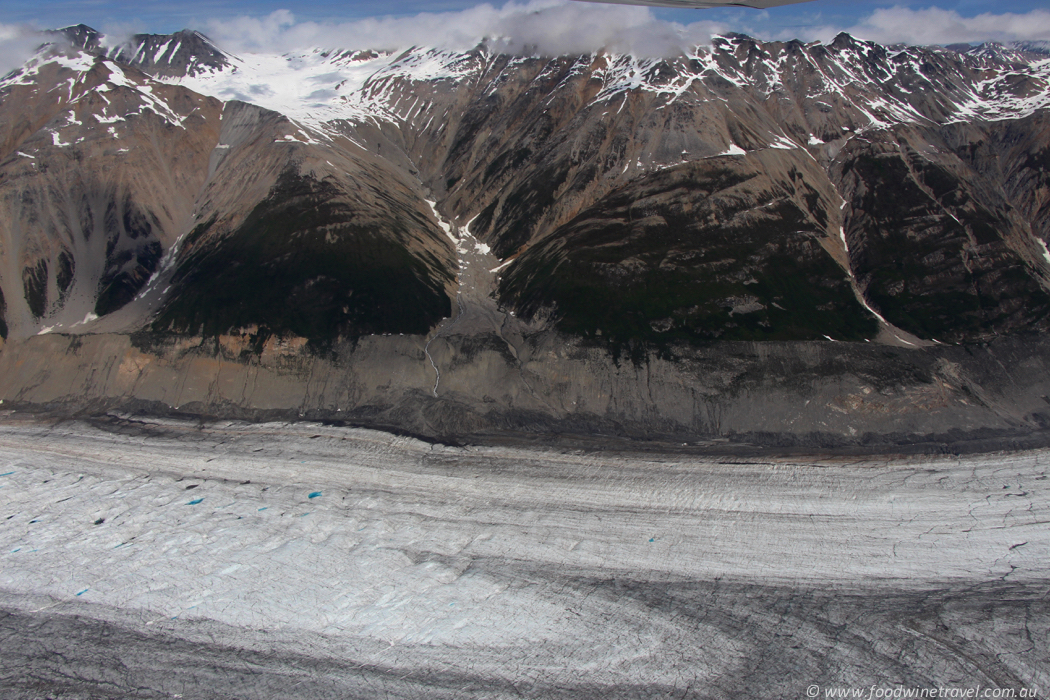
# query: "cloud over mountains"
552,27
16,45
934,25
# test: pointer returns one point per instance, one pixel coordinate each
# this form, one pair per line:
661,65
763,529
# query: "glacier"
515,566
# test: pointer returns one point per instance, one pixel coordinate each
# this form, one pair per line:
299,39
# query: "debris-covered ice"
520,566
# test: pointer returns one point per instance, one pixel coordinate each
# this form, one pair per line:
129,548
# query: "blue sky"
251,25
170,16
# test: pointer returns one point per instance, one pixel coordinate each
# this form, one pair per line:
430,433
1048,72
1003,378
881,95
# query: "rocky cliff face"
464,242
101,167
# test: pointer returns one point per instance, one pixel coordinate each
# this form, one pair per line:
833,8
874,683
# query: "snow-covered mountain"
747,191
827,160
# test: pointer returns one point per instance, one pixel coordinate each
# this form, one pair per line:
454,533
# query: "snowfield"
345,563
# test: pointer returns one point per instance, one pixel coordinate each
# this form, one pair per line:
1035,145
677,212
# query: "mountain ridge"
484,204
733,61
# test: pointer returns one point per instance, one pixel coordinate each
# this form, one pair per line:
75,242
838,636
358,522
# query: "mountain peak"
184,53
844,40
80,36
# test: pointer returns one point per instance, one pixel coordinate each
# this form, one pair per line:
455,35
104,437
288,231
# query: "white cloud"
936,26
17,44
120,33
932,25
550,27
553,27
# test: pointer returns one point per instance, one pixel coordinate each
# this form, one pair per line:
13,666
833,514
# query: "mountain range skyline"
458,218
554,26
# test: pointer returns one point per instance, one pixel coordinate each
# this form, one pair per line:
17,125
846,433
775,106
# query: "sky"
540,26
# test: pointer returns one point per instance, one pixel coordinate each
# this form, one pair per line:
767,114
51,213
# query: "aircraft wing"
759,4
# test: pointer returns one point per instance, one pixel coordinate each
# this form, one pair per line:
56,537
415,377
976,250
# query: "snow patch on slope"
316,87
1046,251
